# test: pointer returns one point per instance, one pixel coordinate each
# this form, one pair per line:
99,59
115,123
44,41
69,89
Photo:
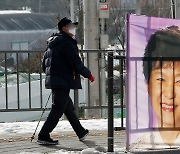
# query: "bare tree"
116,24
79,14
157,8
31,64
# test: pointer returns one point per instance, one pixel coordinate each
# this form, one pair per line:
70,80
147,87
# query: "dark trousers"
62,103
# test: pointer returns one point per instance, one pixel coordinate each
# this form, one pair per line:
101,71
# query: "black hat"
65,21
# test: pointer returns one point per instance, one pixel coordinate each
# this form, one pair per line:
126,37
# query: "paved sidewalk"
68,141
21,144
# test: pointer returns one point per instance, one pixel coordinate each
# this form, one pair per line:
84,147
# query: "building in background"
25,31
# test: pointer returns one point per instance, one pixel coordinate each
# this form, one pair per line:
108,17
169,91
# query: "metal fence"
28,79
16,70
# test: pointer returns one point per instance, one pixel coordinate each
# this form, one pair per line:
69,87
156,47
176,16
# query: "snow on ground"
57,152
85,151
18,128
29,127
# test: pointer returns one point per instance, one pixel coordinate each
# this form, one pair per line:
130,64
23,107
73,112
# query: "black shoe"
83,137
46,140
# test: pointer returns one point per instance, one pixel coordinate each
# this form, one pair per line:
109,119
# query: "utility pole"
76,95
138,7
177,9
72,4
102,72
91,41
173,13
103,15
40,2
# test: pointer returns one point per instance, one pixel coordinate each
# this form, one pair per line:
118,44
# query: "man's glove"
91,78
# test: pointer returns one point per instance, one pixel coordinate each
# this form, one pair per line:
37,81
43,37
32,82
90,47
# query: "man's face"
164,92
69,28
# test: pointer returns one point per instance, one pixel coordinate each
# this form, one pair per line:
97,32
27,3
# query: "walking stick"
32,138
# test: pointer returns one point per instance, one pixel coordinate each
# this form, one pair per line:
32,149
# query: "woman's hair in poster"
163,43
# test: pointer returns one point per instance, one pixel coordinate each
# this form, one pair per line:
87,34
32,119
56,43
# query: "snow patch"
64,125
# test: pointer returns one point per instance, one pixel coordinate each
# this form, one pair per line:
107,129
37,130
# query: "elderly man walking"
63,67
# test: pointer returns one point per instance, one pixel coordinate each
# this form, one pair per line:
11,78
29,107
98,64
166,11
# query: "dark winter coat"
62,64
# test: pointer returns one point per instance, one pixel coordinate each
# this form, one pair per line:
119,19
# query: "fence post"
122,93
110,103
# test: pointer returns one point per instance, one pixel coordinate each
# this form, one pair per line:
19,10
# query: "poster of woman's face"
153,80
164,93
162,75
